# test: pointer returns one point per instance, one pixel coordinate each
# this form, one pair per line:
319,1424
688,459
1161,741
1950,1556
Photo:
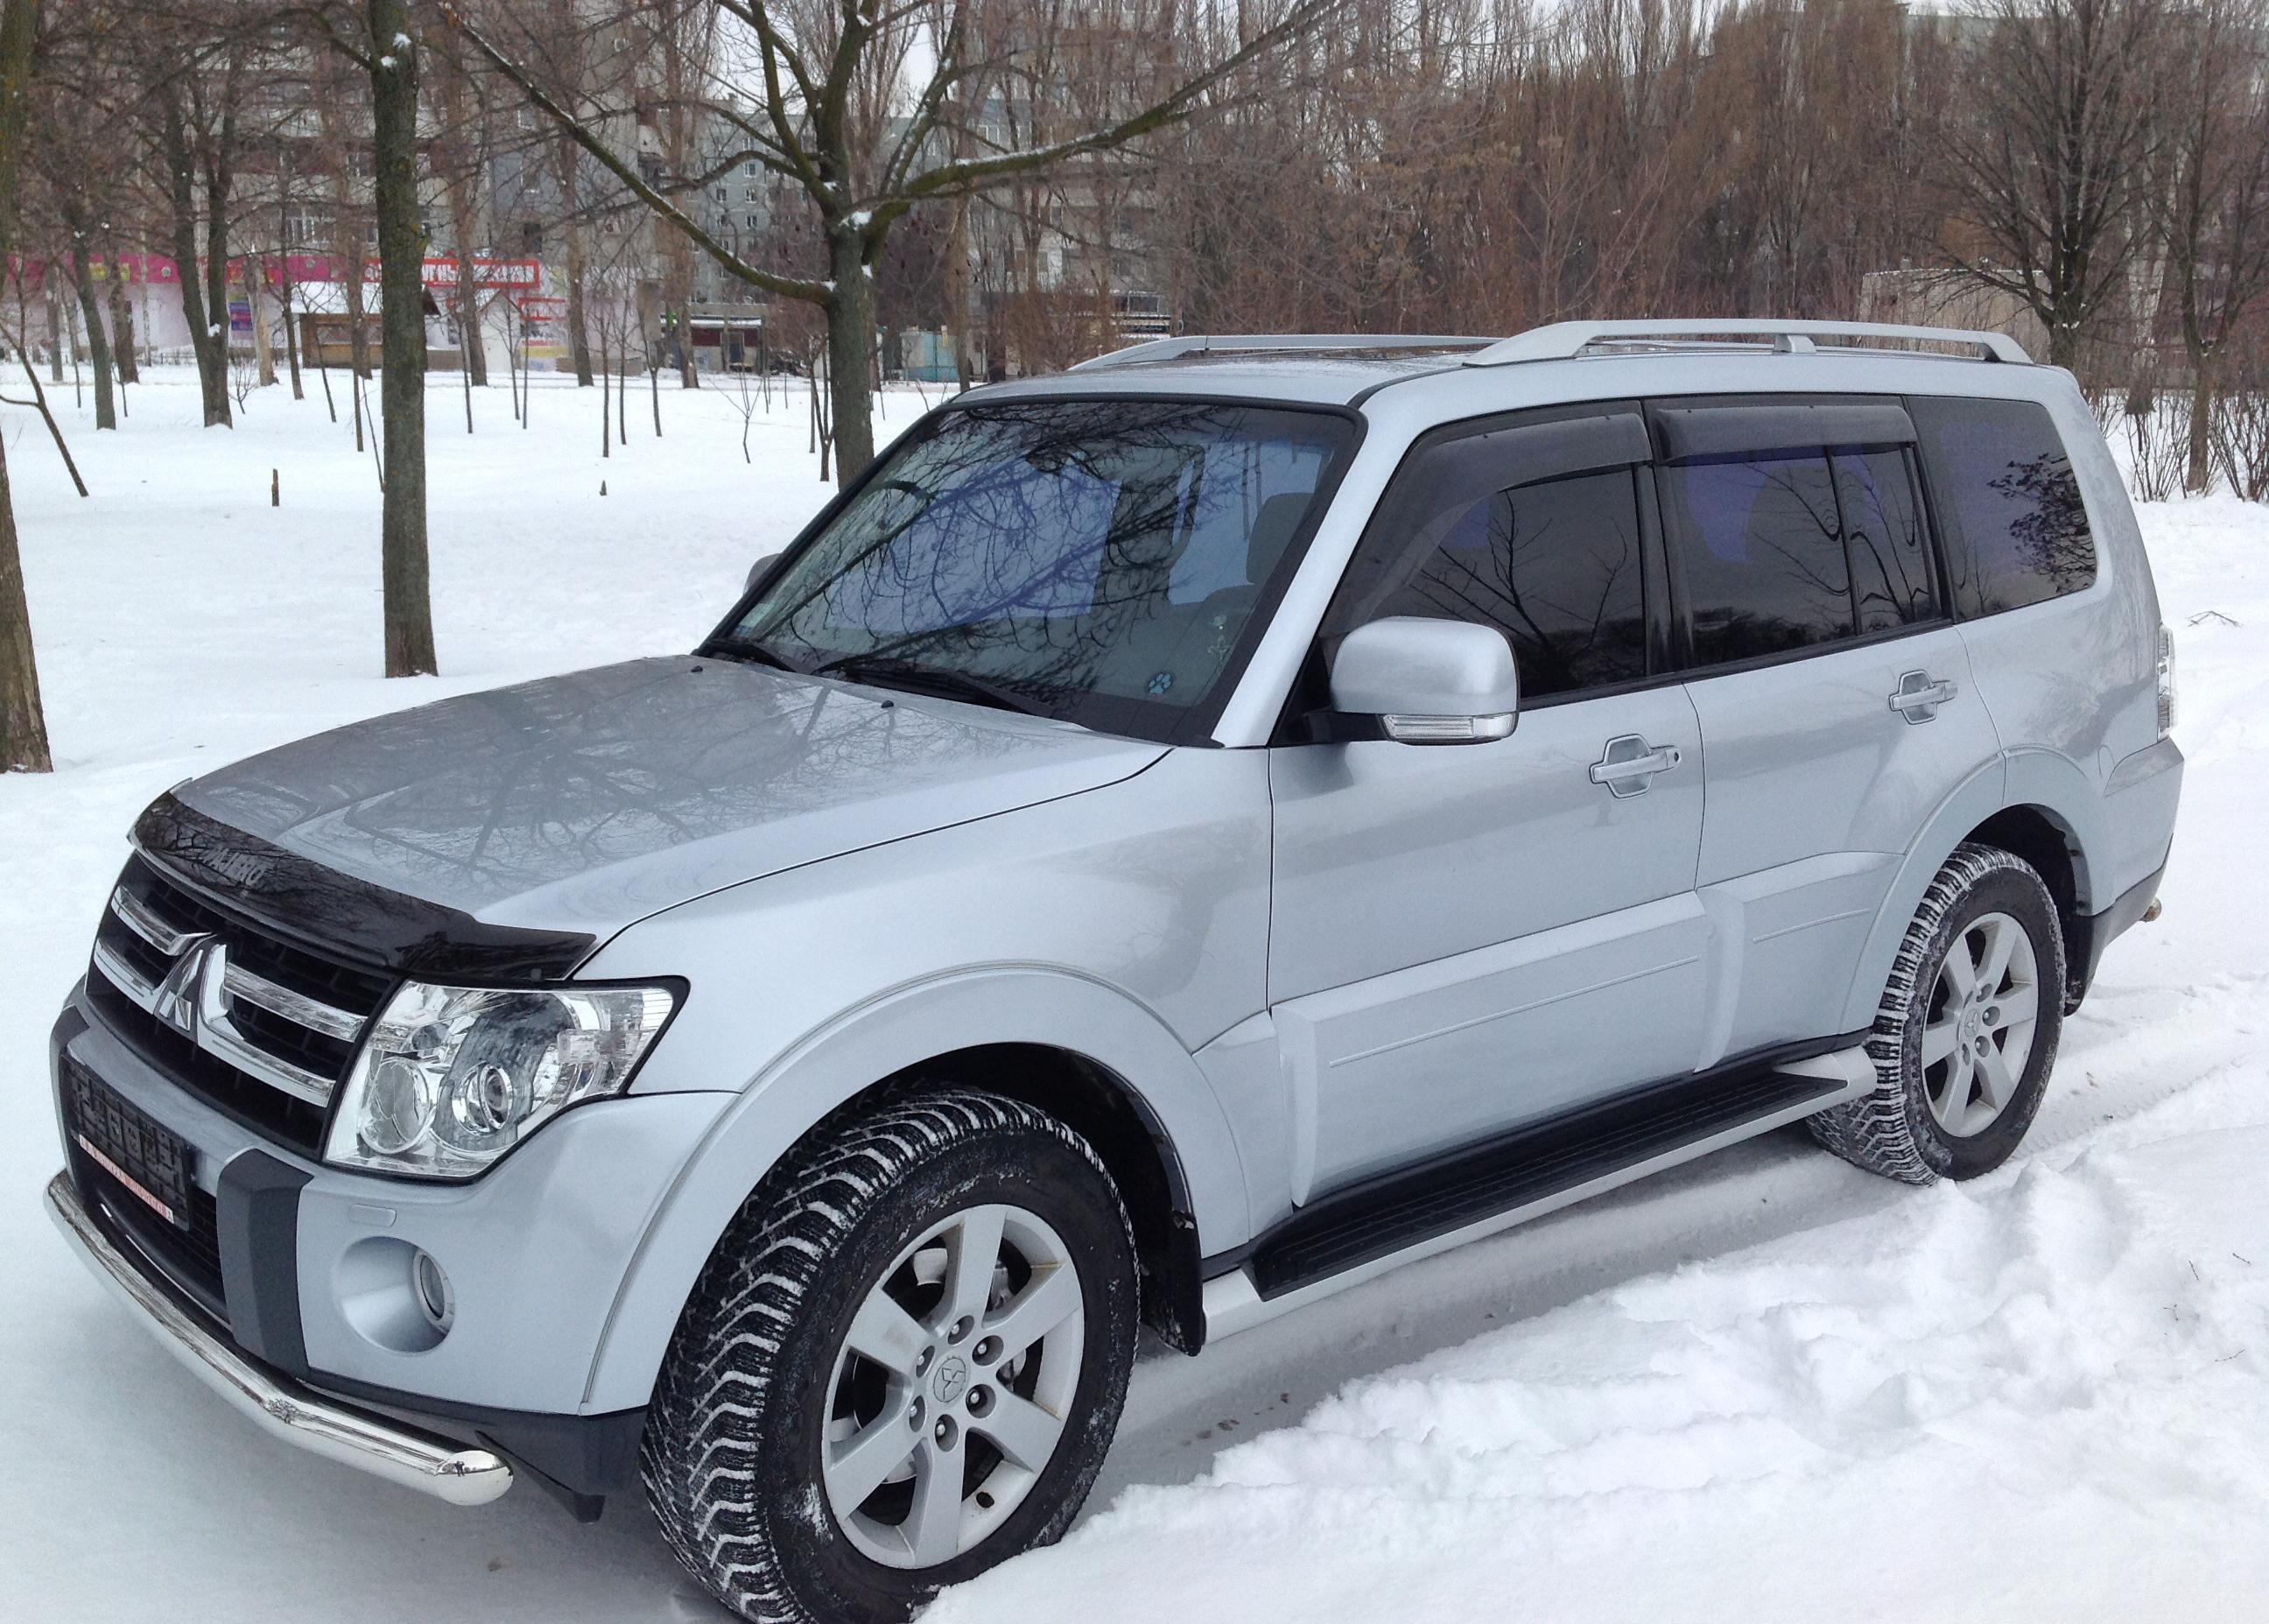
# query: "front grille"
188,1252
259,1027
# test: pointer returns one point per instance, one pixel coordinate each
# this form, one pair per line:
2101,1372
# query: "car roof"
1336,378
1574,361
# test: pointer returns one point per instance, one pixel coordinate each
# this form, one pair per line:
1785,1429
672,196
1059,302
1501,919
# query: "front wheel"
1967,1031
902,1366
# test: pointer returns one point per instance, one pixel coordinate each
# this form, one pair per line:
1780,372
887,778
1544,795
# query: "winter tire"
1967,1031
901,1366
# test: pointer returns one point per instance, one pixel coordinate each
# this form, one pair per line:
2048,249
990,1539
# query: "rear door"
1836,699
1465,938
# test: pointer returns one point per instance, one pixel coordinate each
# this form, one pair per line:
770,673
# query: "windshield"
1098,561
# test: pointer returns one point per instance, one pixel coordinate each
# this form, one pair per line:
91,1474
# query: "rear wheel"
1968,1029
902,1366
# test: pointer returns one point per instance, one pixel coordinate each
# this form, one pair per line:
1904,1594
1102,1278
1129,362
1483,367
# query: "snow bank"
2045,1396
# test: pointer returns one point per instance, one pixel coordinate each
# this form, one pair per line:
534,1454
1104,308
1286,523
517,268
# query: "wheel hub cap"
1978,1032
952,1387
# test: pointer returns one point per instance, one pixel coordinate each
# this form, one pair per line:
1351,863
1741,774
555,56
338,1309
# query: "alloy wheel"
1978,1033
953,1386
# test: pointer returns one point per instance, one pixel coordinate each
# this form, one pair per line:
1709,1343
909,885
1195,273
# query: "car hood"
584,802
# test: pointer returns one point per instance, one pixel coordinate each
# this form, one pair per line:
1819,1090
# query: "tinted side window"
2016,530
1757,546
1556,566
1883,532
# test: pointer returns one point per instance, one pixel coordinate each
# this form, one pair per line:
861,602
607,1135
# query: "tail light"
2166,682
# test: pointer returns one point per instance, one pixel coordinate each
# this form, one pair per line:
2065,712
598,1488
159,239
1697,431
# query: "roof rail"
1564,340
1201,343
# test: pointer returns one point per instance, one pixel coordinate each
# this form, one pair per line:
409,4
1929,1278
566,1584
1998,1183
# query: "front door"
1468,938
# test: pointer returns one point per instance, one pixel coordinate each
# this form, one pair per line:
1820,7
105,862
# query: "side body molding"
994,1004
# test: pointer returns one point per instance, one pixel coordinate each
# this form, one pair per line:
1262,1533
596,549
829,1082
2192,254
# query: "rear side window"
1758,547
1468,533
1792,525
2016,530
1883,536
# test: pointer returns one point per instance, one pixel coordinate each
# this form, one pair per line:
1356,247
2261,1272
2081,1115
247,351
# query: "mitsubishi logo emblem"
190,994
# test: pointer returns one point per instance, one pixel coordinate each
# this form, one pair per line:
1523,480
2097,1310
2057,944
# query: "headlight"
450,1078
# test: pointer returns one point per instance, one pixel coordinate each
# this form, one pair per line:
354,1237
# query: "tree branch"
786,287
973,173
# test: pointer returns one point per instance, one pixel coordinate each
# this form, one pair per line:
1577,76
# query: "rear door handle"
1918,696
1627,766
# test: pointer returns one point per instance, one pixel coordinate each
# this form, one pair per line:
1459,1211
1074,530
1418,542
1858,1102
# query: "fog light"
435,1300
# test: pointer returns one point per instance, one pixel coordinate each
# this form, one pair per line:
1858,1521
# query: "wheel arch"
2050,844
2035,804
1059,1041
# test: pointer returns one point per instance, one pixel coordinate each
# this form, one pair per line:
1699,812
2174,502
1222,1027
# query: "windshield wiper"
882,671
758,653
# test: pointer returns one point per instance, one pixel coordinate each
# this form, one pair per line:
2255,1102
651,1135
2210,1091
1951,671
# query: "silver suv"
1176,839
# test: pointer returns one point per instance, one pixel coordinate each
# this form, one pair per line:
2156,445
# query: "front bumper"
300,1281
275,1402
310,1280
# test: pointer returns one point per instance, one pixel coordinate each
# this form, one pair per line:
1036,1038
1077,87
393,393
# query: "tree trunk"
681,304
402,305
181,230
470,346
98,345
351,295
255,305
122,327
473,356
23,722
850,343
214,377
55,339
958,290
2201,472
579,324
291,325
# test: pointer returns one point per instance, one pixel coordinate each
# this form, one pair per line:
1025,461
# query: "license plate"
150,1162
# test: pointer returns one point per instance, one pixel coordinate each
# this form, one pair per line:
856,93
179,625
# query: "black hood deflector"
316,906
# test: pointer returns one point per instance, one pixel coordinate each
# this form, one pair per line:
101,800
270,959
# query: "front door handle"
1918,696
1629,764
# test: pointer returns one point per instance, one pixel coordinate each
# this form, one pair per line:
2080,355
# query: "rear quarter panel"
2072,682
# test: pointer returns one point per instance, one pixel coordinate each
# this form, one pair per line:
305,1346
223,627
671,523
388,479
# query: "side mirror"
1428,681
756,571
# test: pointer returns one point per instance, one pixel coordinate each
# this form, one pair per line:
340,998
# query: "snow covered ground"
1763,1386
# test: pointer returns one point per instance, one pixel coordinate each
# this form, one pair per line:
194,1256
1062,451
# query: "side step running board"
1356,1234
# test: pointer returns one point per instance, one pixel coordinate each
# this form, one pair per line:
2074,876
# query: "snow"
1763,1386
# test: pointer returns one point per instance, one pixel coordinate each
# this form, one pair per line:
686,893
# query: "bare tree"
73,157
2053,165
193,66
459,152
831,79
23,722
2211,202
